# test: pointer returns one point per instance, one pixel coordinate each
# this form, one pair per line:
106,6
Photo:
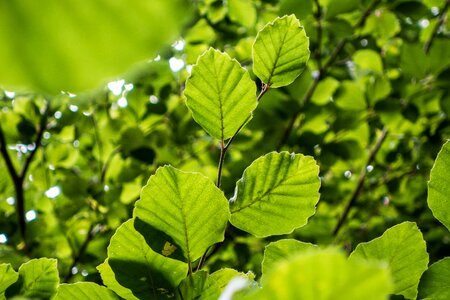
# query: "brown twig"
360,184
440,22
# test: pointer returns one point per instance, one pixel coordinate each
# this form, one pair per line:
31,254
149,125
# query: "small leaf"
136,267
280,52
281,250
435,282
192,286
439,186
7,277
84,290
220,94
277,194
219,280
186,206
404,249
38,278
325,275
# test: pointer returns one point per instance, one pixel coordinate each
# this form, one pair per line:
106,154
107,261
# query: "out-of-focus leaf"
220,94
82,291
281,250
277,193
325,275
349,96
219,280
435,282
51,45
242,12
186,206
137,268
439,186
404,249
280,52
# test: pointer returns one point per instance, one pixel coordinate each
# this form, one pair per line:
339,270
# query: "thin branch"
4,152
318,16
440,22
322,72
359,186
221,160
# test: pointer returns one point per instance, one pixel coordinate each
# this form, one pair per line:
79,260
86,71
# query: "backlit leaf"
280,52
435,282
404,249
277,193
325,275
7,277
84,290
186,206
439,186
220,94
137,268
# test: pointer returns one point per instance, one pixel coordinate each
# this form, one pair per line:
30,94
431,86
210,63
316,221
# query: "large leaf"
282,250
38,278
280,52
435,282
220,94
136,267
186,206
109,279
52,45
84,290
439,186
325,275
277,193
404,249
7,277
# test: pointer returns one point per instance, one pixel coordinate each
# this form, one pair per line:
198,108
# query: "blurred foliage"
375,66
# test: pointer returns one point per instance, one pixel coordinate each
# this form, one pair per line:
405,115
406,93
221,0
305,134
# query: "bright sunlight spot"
116,87
3,238
122,102
53,192
176,64
11,200
31,215
178,45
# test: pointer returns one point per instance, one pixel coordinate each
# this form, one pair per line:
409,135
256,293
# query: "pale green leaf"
367,62
219,280
404,249
281,250
325,275
435,282
324,92
242,12
350,96
7,277
186,206
38,278
53,45
280,52
84,290
220,94
439,186
277,193
137,268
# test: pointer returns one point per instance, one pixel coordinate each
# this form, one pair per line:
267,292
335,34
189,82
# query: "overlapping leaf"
52,45
186,206
38,278
7,277
281,250
439,186
277,193
220,94
404,249
280,52
325,275
136,268
435,282
84,290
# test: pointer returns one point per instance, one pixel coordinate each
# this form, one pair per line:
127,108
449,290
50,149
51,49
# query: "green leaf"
109,279
277,193
7,277
350,96
192,286
51,46
84,290
242,12
439,187
367,61
280,51
435,282
336,7
324,92
404,249
186,206
281,250
38,278
220,94
325,274
219,280
135,266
